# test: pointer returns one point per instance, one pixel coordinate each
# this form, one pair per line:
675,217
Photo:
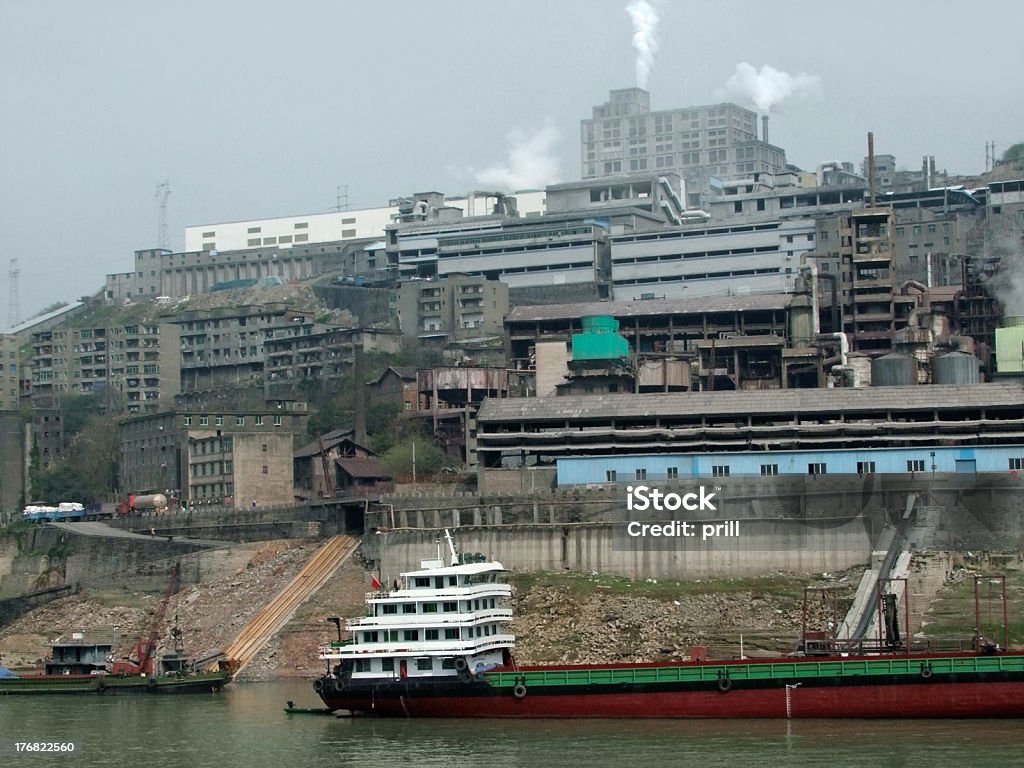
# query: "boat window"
424,665
411,634
422,581
430,608
450,607
448,662
492,602
362,665
478,631
451,634
391,608
393,635
476,605
408,607
452,581
430,634
387,665
438,582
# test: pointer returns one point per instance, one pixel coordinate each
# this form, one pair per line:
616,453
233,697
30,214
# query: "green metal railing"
796,670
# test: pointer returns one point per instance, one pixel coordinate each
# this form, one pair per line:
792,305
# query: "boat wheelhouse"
439,621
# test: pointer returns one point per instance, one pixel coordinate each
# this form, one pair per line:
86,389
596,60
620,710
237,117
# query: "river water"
244,727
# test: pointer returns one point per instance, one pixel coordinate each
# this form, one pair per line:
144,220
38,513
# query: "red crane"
146,649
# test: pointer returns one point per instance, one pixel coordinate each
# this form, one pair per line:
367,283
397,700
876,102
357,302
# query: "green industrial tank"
600,340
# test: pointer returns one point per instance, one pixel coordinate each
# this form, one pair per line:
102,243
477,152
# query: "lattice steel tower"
163,191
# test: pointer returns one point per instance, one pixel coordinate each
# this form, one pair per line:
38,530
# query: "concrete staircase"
272,618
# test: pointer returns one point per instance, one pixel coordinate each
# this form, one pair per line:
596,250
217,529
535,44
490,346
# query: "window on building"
277,421
865,467
672,473
204,421
259,421
219,421
266,470
239,421
641,474
720,470
769,469
1017,463
611,476
915,465
817,469
188,421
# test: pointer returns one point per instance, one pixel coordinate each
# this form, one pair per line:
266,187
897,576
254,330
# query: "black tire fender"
151,683
519,691
318,685
926,671
461,665
724,684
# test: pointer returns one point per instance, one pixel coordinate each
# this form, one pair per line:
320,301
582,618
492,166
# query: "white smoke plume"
767,88
645,25
531,163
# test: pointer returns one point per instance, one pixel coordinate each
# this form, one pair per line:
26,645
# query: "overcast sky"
256,109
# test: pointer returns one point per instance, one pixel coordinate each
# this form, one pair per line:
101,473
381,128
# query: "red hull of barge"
934,700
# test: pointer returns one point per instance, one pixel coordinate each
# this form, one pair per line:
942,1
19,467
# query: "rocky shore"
560,617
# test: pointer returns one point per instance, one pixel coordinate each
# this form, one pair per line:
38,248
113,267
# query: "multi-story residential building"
131,367
10,372
702,144
227,457
225,346
311,352
452,308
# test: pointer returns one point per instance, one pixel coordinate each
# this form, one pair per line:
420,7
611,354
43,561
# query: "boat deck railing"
920,666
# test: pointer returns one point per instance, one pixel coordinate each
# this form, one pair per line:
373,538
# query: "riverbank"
560,617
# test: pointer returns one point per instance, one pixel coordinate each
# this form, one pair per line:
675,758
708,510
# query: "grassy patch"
581,585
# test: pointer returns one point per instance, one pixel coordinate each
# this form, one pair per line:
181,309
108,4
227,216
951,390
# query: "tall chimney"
764,128
360,376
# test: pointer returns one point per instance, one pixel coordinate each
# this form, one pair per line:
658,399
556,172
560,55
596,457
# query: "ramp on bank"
272,618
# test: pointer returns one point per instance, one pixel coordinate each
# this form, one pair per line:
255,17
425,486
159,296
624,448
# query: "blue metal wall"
583,470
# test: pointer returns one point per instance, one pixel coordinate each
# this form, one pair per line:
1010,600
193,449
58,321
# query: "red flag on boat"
375,583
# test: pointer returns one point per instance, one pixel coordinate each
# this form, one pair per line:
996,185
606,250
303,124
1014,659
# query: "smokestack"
360,376
764,128
871,169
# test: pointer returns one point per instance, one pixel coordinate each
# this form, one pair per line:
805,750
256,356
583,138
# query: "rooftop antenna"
13,313
163,191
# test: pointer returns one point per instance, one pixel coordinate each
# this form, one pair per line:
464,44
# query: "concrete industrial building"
525,431
224,457
702,144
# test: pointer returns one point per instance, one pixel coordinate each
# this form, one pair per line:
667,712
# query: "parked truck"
146,502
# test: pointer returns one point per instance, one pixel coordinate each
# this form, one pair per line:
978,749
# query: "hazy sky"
255,109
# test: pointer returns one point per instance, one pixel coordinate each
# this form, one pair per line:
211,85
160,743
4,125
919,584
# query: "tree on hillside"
398,459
